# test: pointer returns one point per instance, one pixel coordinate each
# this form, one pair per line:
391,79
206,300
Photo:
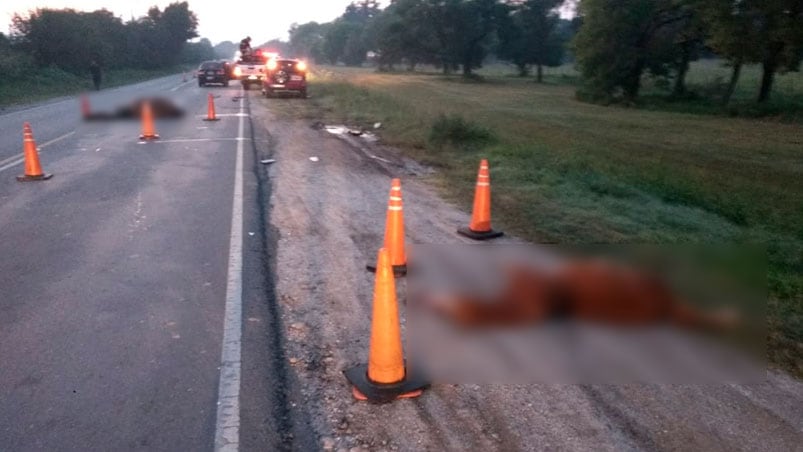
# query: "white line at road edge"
19,159
227,426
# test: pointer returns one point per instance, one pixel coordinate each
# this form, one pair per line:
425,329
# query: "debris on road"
336,130
376,157
267,161
314,159
343,130
377,125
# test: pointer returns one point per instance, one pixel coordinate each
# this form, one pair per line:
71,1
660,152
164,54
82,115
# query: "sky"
216,21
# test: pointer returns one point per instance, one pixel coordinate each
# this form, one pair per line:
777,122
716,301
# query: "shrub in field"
457,131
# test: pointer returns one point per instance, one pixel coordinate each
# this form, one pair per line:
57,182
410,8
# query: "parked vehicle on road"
285,76
250,69
210,72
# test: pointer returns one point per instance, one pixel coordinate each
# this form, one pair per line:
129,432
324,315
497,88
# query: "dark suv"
213,72
283,76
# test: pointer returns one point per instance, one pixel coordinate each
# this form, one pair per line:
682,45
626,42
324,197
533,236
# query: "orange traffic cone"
86,111
33,170
385,377
394,231
210,109
480,227
148,132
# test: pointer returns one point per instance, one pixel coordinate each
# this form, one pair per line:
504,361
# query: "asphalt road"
116,275
178,295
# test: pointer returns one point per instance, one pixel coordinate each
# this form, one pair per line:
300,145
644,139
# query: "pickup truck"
250,70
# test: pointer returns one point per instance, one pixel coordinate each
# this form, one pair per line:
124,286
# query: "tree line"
454,35
70,40
615,42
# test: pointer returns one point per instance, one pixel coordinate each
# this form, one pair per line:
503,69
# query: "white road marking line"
17,159
13,157
175,88
223,115
227,425
194,140
12,164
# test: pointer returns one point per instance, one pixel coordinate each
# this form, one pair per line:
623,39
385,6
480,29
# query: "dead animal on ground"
161,108
584,290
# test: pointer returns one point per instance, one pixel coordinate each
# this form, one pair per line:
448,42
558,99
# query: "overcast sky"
218,21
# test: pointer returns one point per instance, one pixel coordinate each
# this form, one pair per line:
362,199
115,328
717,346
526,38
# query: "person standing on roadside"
94,68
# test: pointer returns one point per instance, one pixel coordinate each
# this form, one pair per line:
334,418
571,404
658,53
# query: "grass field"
706,82
570,172
50,82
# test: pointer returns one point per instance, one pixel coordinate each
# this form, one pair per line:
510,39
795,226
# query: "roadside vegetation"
565,171
627,52
639,121
48,52
53,82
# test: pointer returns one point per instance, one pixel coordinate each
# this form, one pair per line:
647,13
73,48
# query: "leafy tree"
337,36
530,36
225,50
344,39
779,29
685,38
620,40
768,32
14,64
731,35
278,46
402,32
68,38
463,30
308,40
196,52
361,12
71,39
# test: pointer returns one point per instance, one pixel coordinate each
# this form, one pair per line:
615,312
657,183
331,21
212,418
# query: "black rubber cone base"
398,270
487,235
34,178
212,119
410,387
148,137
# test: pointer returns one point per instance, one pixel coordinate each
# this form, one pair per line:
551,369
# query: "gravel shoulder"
327,217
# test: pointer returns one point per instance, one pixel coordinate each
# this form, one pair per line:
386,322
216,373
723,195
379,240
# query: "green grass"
46,83
706,83
571,172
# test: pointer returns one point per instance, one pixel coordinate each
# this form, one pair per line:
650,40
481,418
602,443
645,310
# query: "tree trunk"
683,69
523,70
540,74
737,71
467,63
767,79
632,85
